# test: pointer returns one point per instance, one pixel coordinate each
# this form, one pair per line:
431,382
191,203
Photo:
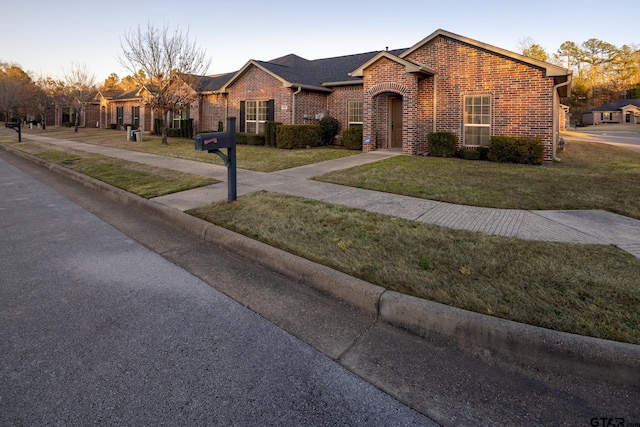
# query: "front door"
395,123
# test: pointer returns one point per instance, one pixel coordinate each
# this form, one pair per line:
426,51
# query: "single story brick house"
619,111
445,82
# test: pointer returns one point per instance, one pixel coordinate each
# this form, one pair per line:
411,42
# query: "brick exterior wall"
338,104
212,111
522,99
255,84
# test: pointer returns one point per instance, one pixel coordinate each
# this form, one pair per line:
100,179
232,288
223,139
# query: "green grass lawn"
591,176
584,289
262,159
145,181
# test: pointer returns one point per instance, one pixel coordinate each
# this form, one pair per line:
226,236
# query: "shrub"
478,153
509,149
243,138
298,136
329,127
67,124
352,138
113,126
441,144
271,133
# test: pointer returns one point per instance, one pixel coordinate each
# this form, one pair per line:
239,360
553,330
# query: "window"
179,115
135,116
355,113
255,116
605,117
477,120
120,116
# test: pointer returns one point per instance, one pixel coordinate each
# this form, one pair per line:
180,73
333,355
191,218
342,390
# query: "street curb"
544,349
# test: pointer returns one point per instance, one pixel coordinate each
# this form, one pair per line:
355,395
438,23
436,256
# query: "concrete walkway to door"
583,226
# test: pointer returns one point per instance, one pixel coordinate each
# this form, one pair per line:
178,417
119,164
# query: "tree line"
602,72
163,65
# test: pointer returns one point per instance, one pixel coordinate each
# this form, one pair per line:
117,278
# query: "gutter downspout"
435,101
293,105
556,123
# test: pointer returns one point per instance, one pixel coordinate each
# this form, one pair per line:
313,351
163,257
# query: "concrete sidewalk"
588,227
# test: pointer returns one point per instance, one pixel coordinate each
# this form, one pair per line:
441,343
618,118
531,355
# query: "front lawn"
262,159
590,176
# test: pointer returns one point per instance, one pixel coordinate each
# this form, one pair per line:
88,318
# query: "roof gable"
550,69
410,67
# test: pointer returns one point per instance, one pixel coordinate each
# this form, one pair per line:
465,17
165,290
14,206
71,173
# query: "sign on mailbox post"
212,142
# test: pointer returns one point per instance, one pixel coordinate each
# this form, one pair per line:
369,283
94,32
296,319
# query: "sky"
47,38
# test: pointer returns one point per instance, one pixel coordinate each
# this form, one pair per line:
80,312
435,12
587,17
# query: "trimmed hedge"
298,136
352,138
243,138
478,153
509,149
441,144
185,131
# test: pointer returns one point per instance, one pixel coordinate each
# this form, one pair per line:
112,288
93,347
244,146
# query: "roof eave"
308,87
343,83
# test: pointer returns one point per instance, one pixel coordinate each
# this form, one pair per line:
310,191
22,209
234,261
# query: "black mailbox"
213,141
15,126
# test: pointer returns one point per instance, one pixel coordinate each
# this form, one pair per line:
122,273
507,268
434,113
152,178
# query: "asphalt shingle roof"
616,105
295,69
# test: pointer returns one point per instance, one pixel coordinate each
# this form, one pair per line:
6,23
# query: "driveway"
622,139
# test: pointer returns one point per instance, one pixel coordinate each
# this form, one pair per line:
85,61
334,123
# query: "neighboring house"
445,82
89,113
125,108
619,111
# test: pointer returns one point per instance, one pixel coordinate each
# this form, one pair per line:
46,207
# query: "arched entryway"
389,122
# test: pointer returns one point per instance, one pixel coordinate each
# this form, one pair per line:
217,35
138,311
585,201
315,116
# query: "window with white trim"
355,113
255,116
477,120
179,115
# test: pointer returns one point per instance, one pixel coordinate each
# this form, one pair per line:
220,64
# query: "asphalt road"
97,329
622,139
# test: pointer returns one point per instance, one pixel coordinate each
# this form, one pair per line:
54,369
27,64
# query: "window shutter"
270,110
241,116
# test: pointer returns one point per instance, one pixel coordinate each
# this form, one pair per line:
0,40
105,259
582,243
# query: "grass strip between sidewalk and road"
584,289
143,180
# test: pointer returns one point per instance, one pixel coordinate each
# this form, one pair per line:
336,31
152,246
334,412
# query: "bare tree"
79,87
165,64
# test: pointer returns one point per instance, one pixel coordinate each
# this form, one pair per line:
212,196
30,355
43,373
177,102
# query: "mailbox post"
15,126
212,142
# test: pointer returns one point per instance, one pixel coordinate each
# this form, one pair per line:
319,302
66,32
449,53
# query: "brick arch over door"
387,87
376,122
